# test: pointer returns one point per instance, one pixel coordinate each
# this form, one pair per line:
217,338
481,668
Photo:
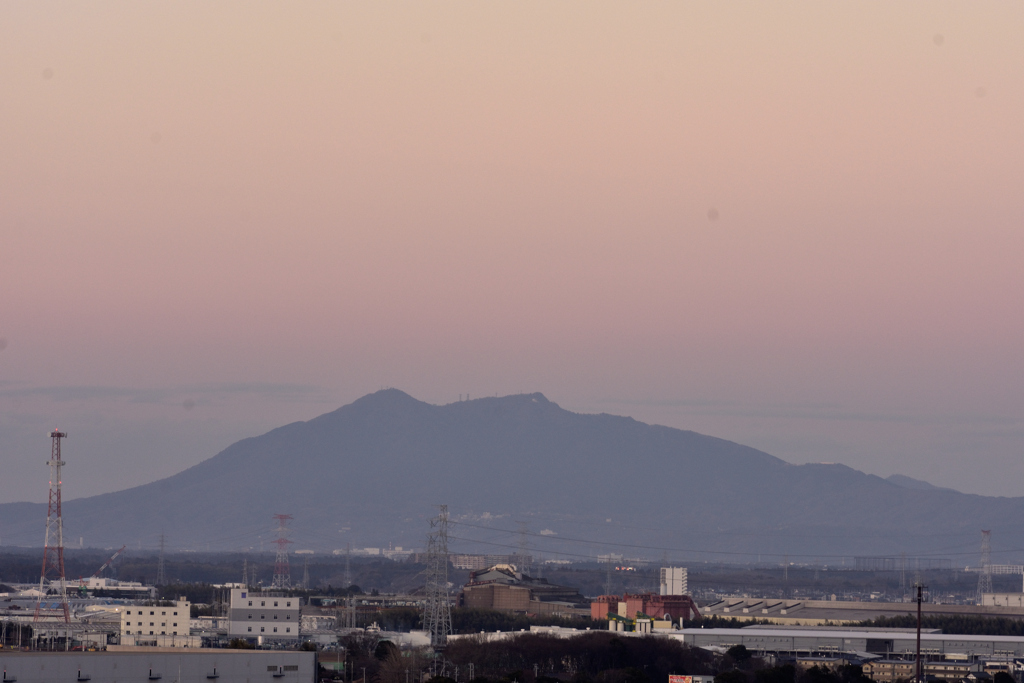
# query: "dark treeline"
738,665
600,656
467,620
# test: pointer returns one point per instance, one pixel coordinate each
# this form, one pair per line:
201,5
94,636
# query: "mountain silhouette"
372,473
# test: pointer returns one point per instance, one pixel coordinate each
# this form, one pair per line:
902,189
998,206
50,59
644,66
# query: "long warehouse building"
824,641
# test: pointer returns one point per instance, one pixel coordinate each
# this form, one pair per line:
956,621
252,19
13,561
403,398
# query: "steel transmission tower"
282,571
53,548
437,614
160,578
523,559
985,577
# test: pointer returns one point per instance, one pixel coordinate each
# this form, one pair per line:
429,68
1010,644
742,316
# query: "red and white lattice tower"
54,607
282,571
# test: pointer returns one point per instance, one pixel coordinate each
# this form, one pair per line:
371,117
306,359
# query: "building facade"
267,615
674,581
160,624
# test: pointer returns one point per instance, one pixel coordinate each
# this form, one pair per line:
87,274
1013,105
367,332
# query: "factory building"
158,623
837,612
880,643
502,587
667,608
224,666
263,615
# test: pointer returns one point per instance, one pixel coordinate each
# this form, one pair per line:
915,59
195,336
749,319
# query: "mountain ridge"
369,473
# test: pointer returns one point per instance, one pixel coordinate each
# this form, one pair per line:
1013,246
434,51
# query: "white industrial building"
222,665
674,581
159,624
263,615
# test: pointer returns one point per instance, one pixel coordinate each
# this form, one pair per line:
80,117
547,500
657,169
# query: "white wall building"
674,581
160,625
270,615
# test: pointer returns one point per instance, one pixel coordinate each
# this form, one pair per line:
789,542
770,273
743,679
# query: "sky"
794,225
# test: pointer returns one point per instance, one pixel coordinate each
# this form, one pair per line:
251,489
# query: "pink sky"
269,210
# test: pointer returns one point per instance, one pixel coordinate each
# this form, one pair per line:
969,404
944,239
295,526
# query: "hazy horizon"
796,227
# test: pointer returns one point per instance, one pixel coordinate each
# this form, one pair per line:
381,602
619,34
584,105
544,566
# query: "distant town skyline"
796,227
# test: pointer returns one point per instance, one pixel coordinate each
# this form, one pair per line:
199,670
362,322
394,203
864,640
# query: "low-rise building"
888,670
261,614
158,623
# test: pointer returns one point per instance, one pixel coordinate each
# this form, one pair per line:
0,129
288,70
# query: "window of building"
175,614
288,604
263,616
163,614
250,603
150,633
175,624
275,603
288,630
287,616
263,603
151,613
129,612
174,633
275,629
250,629
275,616
250,616
262,629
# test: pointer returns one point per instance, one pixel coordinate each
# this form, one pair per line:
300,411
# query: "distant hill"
916,484
370,473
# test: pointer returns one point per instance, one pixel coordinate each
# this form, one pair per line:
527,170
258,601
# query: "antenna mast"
53,547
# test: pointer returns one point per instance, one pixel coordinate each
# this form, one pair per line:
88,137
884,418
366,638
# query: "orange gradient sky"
794,225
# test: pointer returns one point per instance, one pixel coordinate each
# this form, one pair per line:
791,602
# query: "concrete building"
670,608
266,615
502,587
1003,600
674,581
128,589
158,624
225,666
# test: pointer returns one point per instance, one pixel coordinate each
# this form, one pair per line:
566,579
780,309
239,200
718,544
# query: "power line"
601,543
